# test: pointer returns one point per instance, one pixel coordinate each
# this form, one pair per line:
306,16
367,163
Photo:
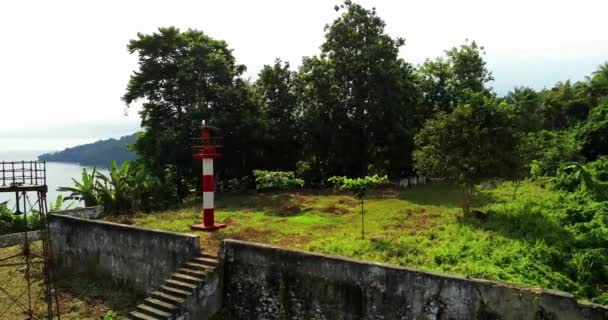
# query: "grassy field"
78,298
517,241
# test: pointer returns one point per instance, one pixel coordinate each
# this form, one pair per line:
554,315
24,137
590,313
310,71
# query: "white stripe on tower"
207,200
208,166
208,189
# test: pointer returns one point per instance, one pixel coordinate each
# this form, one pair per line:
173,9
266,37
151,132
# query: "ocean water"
58,175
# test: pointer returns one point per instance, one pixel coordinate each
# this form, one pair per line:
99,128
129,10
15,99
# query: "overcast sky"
64,64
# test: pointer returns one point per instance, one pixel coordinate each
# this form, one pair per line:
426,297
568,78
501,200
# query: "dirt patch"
230,221
416,219
411,212
349,202
290,209
335,209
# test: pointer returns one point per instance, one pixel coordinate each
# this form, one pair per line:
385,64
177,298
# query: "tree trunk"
362,221
466,203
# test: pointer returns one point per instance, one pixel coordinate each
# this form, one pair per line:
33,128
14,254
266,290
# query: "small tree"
476,141
359,186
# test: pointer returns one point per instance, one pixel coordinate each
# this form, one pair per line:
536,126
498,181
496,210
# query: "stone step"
161,305
194,273
135,315
166,297
180,285
151,311
209,255
175,292
196,266
187,278
206,261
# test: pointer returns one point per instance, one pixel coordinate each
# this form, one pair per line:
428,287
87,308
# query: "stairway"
169,301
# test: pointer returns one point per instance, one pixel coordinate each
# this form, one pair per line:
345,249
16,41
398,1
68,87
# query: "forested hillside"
99,153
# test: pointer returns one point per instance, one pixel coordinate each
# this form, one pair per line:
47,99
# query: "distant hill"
100,153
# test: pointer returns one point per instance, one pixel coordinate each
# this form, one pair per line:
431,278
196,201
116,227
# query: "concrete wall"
266,282
86,212
12,239
139,258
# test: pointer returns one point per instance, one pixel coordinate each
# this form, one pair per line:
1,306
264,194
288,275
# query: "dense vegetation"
12,223
355,109
99,153
526,241
358,110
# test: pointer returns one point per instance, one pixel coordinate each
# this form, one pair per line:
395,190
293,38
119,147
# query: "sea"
58,174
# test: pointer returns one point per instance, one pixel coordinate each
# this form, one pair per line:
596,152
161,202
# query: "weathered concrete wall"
207,299
266,282
136,257
12,239
85,213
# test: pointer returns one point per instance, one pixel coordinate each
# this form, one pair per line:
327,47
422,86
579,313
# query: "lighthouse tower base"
202,227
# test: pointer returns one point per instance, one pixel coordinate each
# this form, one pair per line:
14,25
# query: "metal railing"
22,173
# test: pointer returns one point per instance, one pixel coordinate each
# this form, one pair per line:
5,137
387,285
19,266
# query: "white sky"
64,64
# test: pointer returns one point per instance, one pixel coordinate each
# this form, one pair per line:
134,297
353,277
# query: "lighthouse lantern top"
208,145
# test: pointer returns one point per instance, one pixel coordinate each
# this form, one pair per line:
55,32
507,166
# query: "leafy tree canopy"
476,141
184,78
357,94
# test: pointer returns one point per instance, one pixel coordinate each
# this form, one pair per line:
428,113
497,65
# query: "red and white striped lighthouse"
207,151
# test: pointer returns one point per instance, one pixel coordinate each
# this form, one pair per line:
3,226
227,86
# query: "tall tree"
598,84
565,105
528,108
282,116
444,81
476,141
184,78
593,133
357,96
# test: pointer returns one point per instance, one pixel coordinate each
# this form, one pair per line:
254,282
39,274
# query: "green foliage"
116,191
528,109
588,179
357,95
58,204
11,223
110,315
593,134
184,78
99,153
444,82
235,184
276,180
127,189
84,190
553,148
281,116
476,141
358,186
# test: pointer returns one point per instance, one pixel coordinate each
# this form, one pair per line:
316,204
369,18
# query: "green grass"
78,298
519,241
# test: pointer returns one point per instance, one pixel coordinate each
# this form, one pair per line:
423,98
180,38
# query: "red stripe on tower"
208,185
207,152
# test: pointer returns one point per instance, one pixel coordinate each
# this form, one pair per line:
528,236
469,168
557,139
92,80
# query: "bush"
276,180
234,184
11,223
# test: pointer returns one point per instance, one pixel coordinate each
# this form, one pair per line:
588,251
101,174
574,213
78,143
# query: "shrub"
276,180
234,184
11,223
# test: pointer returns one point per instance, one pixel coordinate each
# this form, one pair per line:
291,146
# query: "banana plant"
83,191
116,190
